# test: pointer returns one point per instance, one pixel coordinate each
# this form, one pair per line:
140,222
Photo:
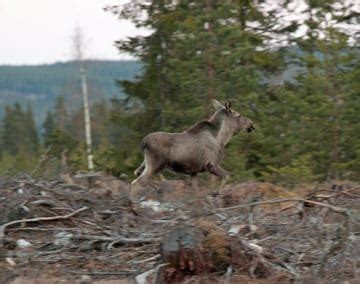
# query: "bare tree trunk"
209,63
84,90
78,41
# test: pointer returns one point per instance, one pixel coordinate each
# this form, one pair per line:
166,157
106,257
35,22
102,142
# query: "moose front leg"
194,183
219,172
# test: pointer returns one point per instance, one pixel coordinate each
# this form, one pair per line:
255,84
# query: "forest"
40,85
301,90
289,212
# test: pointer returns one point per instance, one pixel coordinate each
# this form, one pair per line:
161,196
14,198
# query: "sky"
41,31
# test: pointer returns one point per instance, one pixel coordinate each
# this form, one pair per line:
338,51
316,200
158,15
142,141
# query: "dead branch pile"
249,232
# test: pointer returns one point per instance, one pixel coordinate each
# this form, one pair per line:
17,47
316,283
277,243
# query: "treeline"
59,146
40,85
53,79
308,126
19,139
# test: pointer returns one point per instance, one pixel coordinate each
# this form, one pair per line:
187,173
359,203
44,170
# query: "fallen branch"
153,258
59,217
336,209
123,240
116,239
46,202
251,204
142,278
104,273
344,192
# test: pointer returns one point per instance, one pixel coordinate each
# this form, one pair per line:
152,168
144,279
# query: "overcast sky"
40,31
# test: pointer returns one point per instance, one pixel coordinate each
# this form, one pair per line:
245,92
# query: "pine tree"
49,127
20,142
61,137
198,51
8,134
100,118
151,90
225,49
326,59
32,140
15,132
318,100
61,114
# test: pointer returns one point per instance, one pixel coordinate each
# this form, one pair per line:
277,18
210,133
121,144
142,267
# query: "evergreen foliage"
301,90
41,85
225,49
19,140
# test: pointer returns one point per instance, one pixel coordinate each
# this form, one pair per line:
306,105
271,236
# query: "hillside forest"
297,78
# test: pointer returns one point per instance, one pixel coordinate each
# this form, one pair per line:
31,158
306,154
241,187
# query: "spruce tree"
316,103
20,142
327,58
49,127
61,114
243,50
33,139
151,91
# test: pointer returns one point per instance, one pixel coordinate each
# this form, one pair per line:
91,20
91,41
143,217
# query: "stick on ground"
59,217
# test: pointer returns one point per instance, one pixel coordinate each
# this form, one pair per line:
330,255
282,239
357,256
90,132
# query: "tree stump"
193,250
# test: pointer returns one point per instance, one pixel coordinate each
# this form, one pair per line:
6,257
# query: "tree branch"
52,218
336,209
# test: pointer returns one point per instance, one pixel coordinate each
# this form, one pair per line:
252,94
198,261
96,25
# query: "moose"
198,149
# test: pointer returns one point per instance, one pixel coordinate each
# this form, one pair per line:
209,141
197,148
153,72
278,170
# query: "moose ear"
228,105
217,105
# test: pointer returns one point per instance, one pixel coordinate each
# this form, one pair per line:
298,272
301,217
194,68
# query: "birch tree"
78,41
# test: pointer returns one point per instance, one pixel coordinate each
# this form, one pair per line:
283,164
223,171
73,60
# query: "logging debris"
251,232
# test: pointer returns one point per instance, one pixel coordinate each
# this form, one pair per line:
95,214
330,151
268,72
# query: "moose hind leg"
219,172
138,183
151,166
140,169
144,176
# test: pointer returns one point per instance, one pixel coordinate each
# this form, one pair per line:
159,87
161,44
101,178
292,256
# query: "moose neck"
223,133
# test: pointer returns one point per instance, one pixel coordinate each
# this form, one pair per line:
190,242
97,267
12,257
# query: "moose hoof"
215,194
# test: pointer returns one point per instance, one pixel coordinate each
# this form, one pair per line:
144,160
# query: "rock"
235,229
63,239
156,206
10,261
85,279
23,244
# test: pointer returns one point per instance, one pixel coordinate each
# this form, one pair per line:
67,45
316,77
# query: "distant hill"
40,85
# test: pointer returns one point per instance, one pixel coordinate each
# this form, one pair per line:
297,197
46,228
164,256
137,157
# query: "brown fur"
199,148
